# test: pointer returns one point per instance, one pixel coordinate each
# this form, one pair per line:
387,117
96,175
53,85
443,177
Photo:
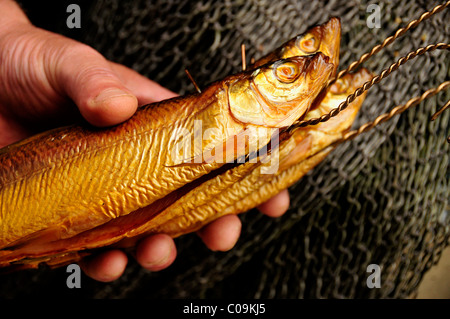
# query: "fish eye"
308,44
286,72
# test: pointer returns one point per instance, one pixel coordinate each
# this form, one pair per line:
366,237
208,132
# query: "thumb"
87,78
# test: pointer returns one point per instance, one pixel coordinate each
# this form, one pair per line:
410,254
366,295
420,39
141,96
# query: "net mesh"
381,198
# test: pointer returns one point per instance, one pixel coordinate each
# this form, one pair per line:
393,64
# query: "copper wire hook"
244,60
193,81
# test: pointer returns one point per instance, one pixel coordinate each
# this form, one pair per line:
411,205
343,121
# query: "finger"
221,234
156,252
86,76
277,205
146,90
105,267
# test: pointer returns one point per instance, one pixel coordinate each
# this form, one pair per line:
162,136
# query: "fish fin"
45,235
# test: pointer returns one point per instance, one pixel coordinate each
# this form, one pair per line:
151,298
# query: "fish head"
335,95
323,38
306,141
279,93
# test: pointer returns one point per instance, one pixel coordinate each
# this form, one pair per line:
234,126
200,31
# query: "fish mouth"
331,32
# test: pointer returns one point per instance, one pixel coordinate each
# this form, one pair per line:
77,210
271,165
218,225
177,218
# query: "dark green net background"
379,199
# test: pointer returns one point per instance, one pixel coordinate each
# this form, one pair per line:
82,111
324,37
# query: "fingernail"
108,94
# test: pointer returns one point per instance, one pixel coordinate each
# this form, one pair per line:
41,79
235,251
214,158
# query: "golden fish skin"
245,187
56,188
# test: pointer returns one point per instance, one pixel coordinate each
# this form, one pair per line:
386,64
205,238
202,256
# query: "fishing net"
381,198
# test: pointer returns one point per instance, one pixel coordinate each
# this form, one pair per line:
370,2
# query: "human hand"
47,80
